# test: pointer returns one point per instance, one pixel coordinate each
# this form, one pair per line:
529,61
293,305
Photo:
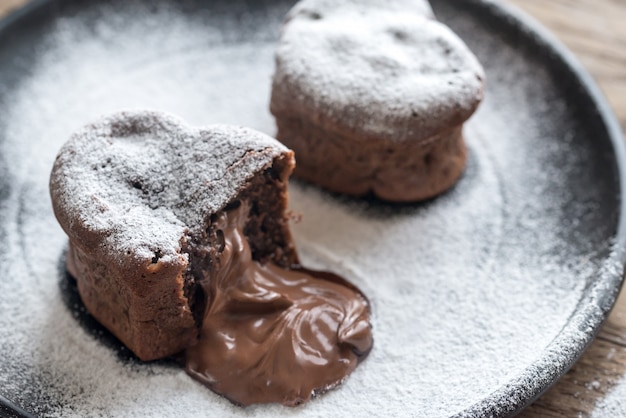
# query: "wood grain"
7,5
595,31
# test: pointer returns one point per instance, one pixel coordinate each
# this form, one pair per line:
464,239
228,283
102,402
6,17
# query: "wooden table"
595,30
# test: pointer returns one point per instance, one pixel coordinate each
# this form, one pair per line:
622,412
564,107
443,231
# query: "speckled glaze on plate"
542,112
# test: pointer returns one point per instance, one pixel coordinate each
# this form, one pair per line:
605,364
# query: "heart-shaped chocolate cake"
179,243
372,95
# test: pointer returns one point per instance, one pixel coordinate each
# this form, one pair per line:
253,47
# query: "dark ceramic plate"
482,298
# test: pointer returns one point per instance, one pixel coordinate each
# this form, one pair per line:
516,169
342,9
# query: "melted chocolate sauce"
274,335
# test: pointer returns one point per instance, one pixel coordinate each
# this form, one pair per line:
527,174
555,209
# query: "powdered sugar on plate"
613,404
468,290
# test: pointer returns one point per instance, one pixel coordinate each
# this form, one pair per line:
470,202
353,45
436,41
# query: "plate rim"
596,302
547,370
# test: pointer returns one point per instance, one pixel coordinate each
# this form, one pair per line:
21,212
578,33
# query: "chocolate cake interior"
287,332
265,198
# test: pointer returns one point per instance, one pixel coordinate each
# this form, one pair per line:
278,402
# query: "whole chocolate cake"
372,95
179,243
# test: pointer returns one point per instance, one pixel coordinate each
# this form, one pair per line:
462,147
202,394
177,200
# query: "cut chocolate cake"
179,235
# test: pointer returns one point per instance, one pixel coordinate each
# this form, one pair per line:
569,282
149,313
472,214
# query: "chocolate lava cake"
372,94
179,243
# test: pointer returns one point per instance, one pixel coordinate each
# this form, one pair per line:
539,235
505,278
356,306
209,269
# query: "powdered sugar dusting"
123,184
613,404
468,290
385,68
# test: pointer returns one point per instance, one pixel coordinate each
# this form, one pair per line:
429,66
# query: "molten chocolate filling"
270,334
